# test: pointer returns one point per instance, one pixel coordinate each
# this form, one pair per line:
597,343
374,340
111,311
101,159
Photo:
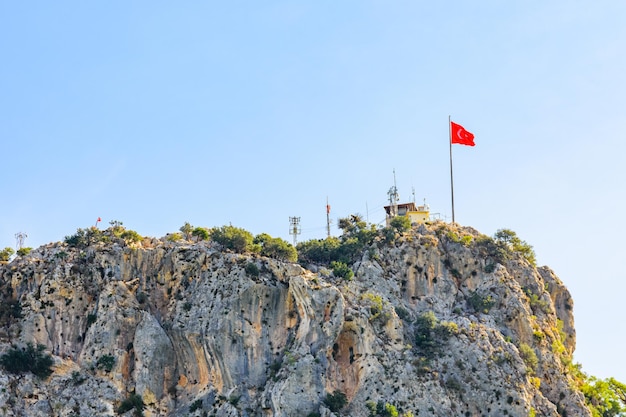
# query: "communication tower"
20,237
327,217
393,197
294,228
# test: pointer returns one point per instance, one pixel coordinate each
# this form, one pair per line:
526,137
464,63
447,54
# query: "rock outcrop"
431,324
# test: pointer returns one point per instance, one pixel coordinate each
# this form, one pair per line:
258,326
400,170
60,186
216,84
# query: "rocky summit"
437,321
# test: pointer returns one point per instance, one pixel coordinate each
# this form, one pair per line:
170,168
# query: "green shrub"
481,303
605,398
77,378
277,248
400,223
142,297
424,328
335,401
133,401
186,230
174,237
322,251
200,233
529,356
509,239
402,313
24,251
87,237
431,335
91,319
488,247
233,238
341,270
536,302
10,310
196,405
252,269
106,362
29,359
6,253
375,303
130,236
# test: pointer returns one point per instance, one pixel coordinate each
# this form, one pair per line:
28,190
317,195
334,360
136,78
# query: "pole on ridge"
451,177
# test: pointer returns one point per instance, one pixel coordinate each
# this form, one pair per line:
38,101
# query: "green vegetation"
431,335
133,401
233,238
384,409
130,236
30,359
375,304
10,310
106,362
174,237
605,398
6,253
341,270
536,303
201,233
489,248
481,303
252,269
24,251
529,357
400,223
186,229
335,401
277,248
509,240
196,405
357,236
322,251
84,238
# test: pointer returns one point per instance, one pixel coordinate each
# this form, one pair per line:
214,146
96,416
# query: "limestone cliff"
431,323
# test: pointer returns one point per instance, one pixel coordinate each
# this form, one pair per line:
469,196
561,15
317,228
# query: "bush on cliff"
234,238
277,248
357,236
29,359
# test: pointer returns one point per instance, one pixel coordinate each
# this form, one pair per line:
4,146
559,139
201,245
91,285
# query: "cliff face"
430,324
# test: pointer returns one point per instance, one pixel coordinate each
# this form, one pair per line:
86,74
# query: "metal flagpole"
451,177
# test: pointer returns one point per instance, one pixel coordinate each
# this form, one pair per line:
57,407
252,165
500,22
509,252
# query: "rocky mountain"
436,321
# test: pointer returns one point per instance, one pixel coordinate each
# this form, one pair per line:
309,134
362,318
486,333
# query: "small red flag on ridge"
460,135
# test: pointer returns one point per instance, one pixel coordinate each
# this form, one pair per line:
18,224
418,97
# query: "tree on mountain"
5,254
186,229
277,248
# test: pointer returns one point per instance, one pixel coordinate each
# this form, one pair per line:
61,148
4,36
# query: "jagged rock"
185,327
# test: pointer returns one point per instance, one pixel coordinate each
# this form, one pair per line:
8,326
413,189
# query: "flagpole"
451,177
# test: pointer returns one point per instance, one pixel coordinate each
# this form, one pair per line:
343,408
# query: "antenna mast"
393,197
294,229
20,237
327,218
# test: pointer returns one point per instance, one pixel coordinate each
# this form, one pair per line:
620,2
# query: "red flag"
461,136
99,220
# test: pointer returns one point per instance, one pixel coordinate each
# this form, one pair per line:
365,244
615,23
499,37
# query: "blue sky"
156,114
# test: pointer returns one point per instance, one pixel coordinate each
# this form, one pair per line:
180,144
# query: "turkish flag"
461,136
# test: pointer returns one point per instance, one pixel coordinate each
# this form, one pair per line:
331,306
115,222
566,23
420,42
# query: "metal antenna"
294,229
327,217
20,237
393,197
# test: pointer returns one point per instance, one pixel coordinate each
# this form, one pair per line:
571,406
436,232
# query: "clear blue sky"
157,113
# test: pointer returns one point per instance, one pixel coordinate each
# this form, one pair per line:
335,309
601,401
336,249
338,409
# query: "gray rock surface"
185,327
